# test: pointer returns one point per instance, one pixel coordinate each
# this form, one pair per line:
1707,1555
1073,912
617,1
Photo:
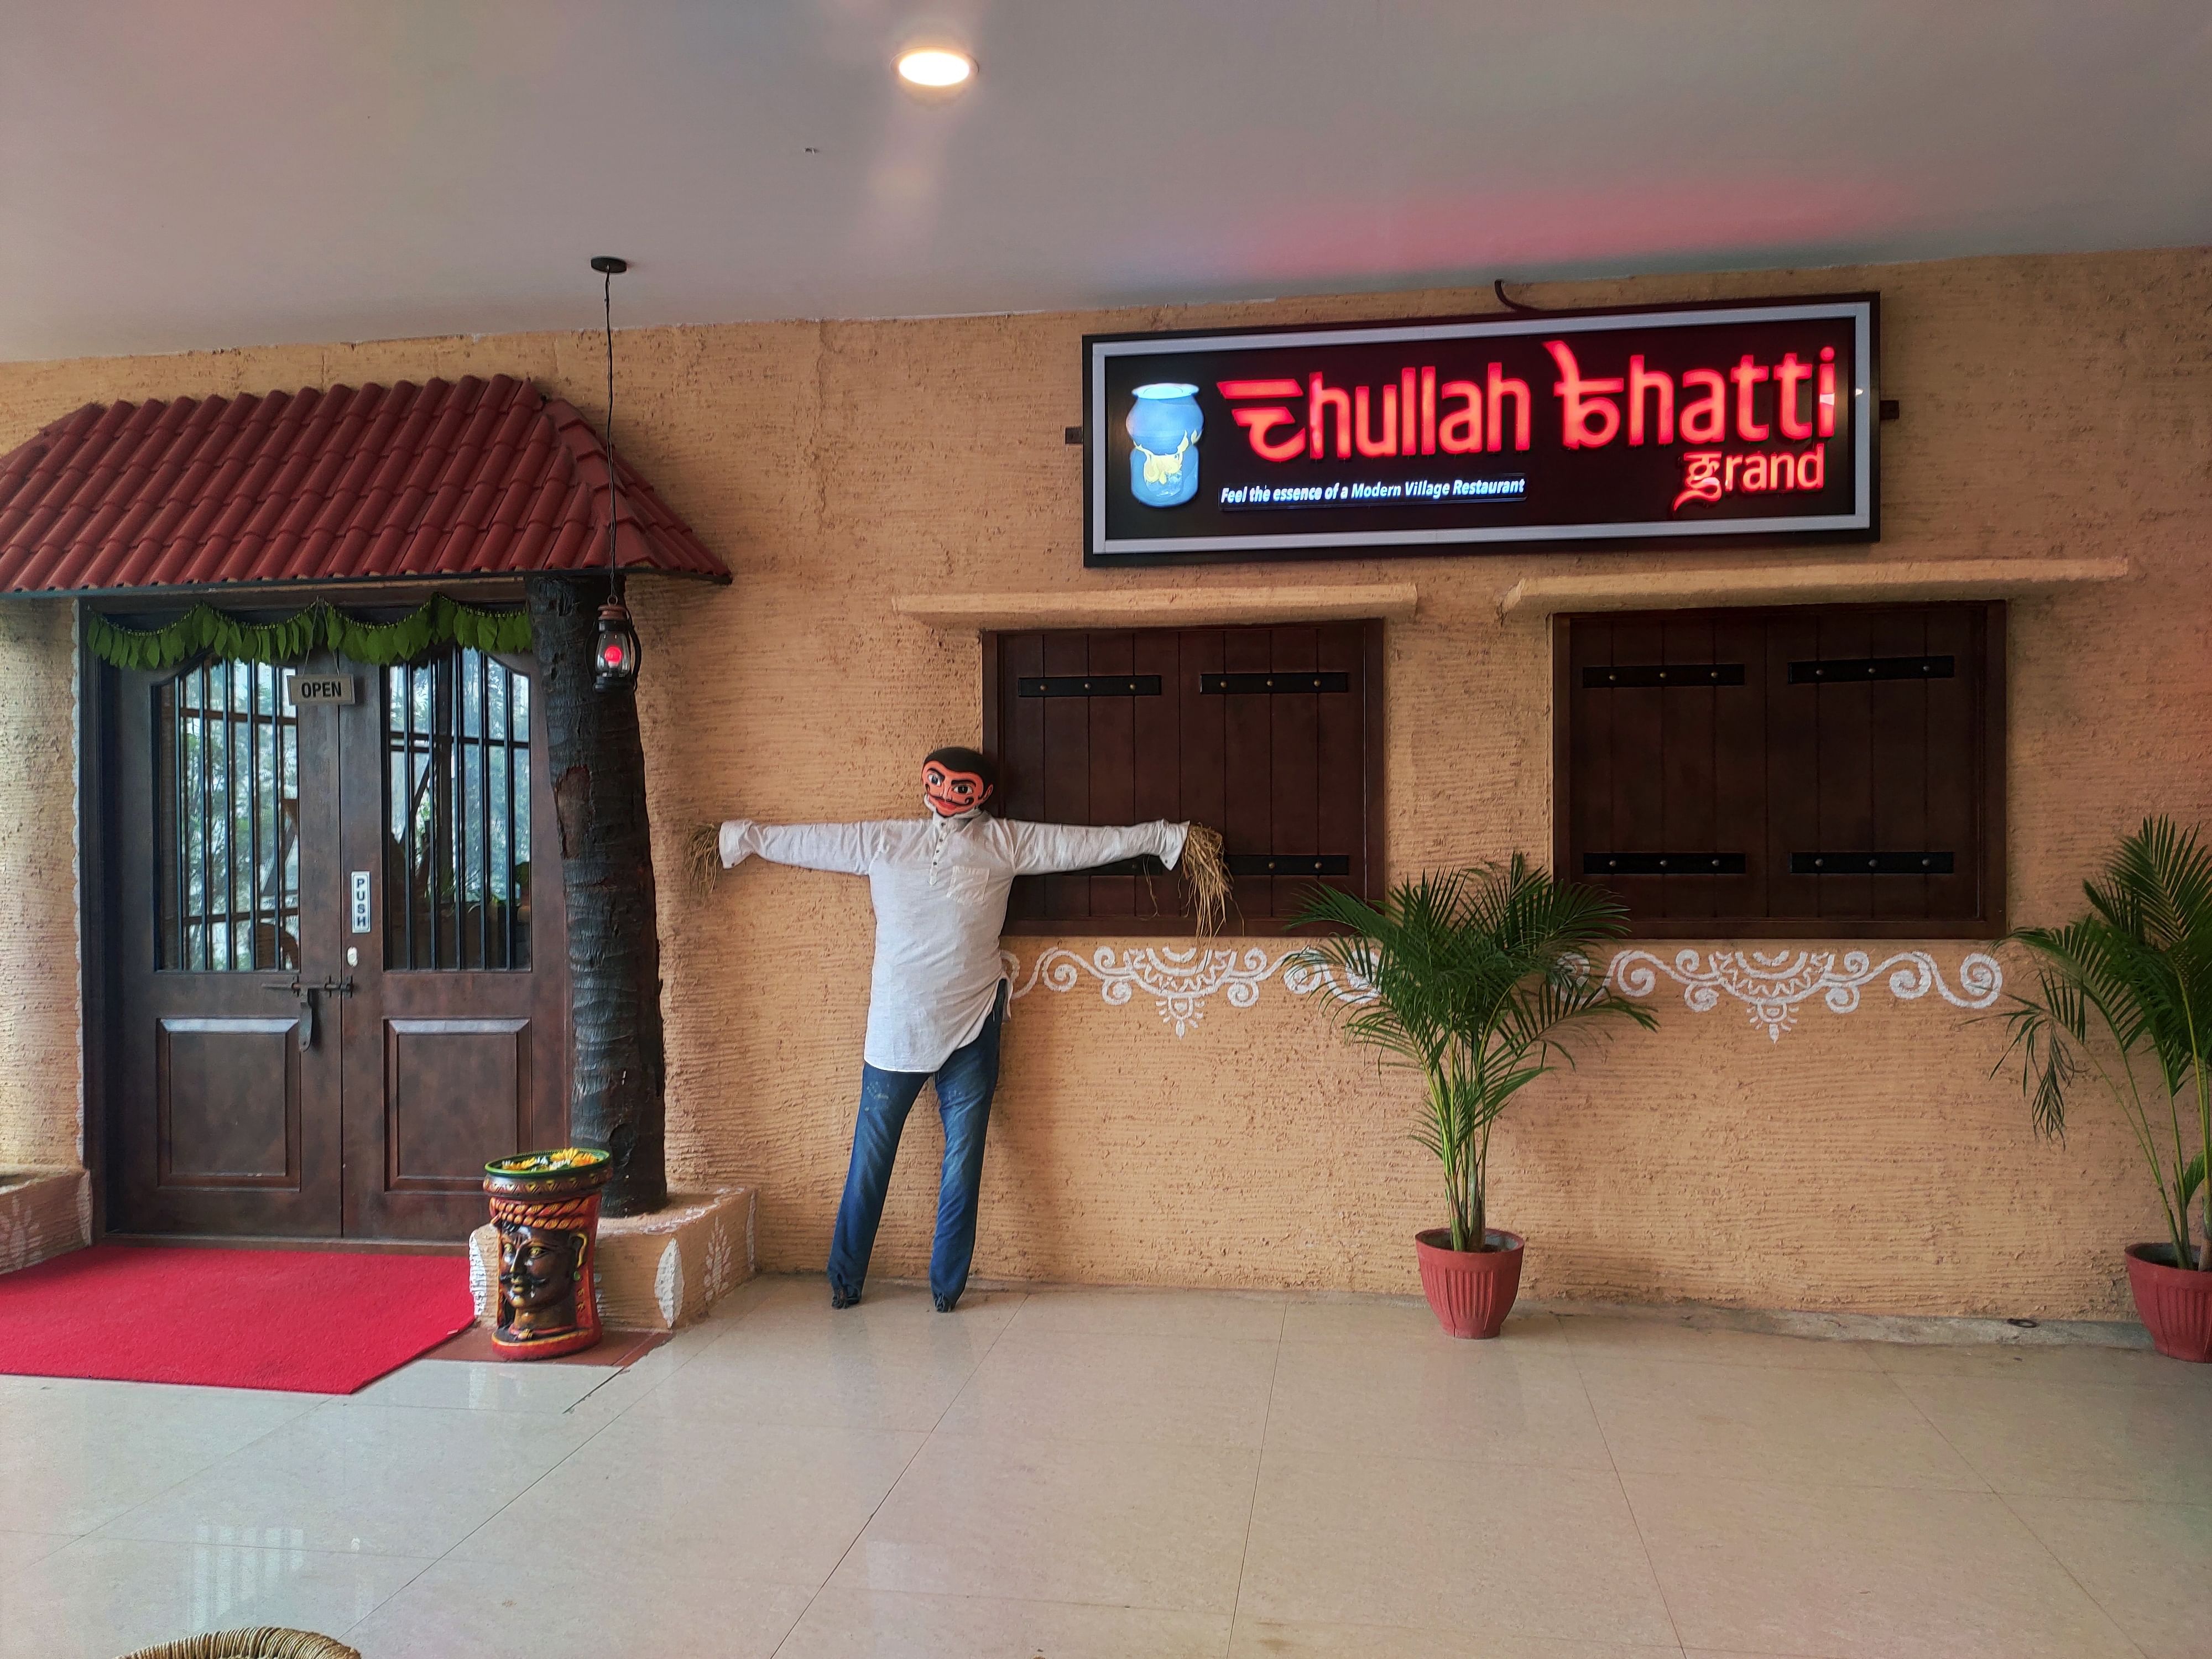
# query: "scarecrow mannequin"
938,994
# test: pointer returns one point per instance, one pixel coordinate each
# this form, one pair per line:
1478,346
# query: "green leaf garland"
438,620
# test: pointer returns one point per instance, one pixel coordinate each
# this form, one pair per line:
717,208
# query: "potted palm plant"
1468,977
2124,995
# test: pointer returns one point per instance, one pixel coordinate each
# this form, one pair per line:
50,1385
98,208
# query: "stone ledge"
1833,583
1160,607
656,1272
43,1213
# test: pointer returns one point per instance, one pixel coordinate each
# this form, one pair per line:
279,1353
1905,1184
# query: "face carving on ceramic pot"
539,1276
952,794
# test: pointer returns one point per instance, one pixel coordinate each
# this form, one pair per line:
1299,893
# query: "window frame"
1988,853
1368,882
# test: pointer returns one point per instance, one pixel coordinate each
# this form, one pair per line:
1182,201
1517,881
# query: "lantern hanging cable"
609,267
617,643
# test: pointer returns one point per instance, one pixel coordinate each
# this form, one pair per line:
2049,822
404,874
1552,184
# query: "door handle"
305,994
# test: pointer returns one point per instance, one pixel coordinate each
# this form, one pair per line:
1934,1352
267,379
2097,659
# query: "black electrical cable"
614,477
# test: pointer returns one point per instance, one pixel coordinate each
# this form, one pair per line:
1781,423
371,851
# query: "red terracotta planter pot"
1470,1291
2175,1303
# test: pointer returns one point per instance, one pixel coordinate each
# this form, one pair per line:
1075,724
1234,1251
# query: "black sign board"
1682,425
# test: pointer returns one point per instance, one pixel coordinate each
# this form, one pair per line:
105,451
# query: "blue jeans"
964,1085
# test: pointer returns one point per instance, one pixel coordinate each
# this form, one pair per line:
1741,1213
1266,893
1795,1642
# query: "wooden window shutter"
1786,773
1272,735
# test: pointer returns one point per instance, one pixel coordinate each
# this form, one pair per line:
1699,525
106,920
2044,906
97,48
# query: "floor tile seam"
1984,1482
195,1473
974,1370
1825,1480
156,1389
1461,1628
2201,1392
105,1537
1565,1465
1000,1435
397,1591
1515,1626
1621,1485
526,1489
1424,1342
657,1574
920,1444
1029,1601
1259,1473
1033,1337
1004,1436
1127,1335
1934,1428
1612,1357
1426,1461
2021,1521
1650,1562
686,1416
2057,1560
1122,1605
22,1569
569,1409
2204,1508
480,1410
422,1565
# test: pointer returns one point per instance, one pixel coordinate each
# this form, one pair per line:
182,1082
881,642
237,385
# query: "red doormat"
312,1321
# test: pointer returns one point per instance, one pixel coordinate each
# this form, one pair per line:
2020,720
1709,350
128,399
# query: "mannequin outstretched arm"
1045,848
842,848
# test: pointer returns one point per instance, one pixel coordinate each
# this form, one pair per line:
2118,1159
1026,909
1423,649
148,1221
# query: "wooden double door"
335,931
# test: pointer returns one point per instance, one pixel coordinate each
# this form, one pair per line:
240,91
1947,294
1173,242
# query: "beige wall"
1868,1161
38,979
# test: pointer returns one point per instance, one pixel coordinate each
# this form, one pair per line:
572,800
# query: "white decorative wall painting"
1770,985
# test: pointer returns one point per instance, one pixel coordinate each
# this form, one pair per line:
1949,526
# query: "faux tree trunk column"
618,1066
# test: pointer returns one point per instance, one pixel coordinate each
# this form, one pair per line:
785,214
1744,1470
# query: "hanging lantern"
616,656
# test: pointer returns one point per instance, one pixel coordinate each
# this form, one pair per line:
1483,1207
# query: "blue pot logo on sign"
1164,424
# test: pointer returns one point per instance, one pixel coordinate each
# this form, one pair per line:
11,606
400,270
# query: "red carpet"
313,1322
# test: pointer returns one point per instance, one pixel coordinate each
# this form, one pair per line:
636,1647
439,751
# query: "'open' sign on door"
321,688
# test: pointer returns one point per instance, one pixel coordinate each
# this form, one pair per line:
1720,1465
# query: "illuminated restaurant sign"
1688,424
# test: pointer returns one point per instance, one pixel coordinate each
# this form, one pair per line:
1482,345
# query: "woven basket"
264,1641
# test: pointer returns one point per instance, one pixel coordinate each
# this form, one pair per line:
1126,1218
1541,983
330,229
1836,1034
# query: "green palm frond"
1469,976
2124,994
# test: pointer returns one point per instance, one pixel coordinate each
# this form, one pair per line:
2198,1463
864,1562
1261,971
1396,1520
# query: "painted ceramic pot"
1470,1291
546,1207
2175,1303
1164,424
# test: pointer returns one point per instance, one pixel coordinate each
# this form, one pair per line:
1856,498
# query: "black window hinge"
1871,863
1088,685
1663,864
1684,676
1270,684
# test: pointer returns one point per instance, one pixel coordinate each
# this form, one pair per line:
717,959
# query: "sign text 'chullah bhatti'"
1685,425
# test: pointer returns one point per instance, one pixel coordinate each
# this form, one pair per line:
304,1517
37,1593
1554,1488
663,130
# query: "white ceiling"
238,172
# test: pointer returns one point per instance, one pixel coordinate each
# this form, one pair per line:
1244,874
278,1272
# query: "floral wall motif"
1771,985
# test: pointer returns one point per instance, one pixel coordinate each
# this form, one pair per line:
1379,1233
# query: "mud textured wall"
1867,1160
38,979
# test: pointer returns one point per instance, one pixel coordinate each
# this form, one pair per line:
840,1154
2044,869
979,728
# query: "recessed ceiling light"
935,67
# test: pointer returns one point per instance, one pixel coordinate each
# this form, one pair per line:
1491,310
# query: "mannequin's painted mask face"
952,794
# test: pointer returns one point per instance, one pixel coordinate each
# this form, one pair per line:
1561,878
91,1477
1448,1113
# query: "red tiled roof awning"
466,477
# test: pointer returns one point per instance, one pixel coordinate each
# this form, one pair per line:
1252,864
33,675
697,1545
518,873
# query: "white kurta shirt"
940,887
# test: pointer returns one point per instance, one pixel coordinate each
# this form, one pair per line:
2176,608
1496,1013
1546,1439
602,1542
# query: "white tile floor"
1102,1475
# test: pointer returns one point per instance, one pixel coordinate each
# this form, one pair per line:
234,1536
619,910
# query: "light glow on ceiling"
935,67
